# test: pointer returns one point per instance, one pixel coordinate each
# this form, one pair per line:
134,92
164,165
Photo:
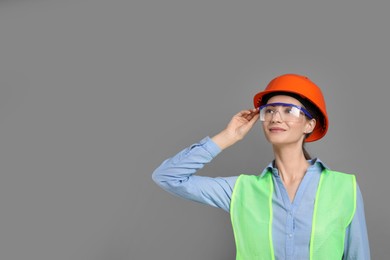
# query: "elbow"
156,177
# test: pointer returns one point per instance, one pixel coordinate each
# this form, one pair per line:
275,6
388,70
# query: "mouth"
276,130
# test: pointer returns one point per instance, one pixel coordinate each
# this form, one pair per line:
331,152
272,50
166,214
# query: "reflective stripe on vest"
251,216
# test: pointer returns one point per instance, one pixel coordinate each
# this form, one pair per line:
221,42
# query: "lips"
276,129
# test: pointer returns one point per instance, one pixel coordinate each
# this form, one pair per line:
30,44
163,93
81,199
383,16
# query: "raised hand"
238,127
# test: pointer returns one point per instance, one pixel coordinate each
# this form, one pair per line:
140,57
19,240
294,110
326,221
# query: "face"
278,131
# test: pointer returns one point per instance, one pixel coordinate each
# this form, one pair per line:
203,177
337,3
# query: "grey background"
95,94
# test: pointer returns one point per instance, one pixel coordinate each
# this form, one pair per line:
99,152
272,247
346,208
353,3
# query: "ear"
310,125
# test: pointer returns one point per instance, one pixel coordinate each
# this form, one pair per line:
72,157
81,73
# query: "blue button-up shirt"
292,220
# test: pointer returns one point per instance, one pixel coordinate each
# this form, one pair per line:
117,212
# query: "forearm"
184,164
224,139
177,176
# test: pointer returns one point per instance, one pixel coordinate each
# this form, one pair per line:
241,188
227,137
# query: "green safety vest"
251,216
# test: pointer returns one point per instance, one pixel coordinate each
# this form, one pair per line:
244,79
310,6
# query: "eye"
269,110
289,110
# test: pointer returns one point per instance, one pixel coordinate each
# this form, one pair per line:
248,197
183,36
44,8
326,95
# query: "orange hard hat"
306,89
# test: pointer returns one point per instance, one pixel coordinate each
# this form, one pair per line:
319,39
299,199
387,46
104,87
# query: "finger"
253,120
248,111
245,112
252,116
252,113
256,117
242,113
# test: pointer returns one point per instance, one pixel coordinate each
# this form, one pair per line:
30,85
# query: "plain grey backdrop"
95,94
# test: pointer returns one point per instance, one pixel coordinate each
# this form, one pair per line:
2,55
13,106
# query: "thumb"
253,120
248,126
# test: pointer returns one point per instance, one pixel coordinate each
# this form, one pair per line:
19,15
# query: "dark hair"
307,104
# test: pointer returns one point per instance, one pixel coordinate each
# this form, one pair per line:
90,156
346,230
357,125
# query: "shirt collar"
315,164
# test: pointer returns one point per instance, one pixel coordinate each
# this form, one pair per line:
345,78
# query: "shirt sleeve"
356,238
176,175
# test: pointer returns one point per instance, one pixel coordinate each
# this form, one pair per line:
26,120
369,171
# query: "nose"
276,116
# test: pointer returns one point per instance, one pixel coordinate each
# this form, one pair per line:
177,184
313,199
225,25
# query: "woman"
297,208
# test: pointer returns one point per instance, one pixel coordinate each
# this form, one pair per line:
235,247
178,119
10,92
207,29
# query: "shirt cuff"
210,146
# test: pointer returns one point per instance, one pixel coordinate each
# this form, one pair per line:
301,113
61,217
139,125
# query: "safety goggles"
287,112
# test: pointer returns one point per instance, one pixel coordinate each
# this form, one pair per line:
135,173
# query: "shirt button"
290,235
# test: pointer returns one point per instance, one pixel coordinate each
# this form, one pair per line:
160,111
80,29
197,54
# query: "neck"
291,162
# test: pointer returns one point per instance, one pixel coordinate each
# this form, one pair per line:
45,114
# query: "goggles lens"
287,112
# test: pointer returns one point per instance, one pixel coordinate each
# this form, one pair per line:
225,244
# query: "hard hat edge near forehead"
303,86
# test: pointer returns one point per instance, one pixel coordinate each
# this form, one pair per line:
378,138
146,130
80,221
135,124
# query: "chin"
282,140
277,142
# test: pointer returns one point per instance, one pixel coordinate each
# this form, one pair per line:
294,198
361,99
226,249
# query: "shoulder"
242,178
339,174
252,182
